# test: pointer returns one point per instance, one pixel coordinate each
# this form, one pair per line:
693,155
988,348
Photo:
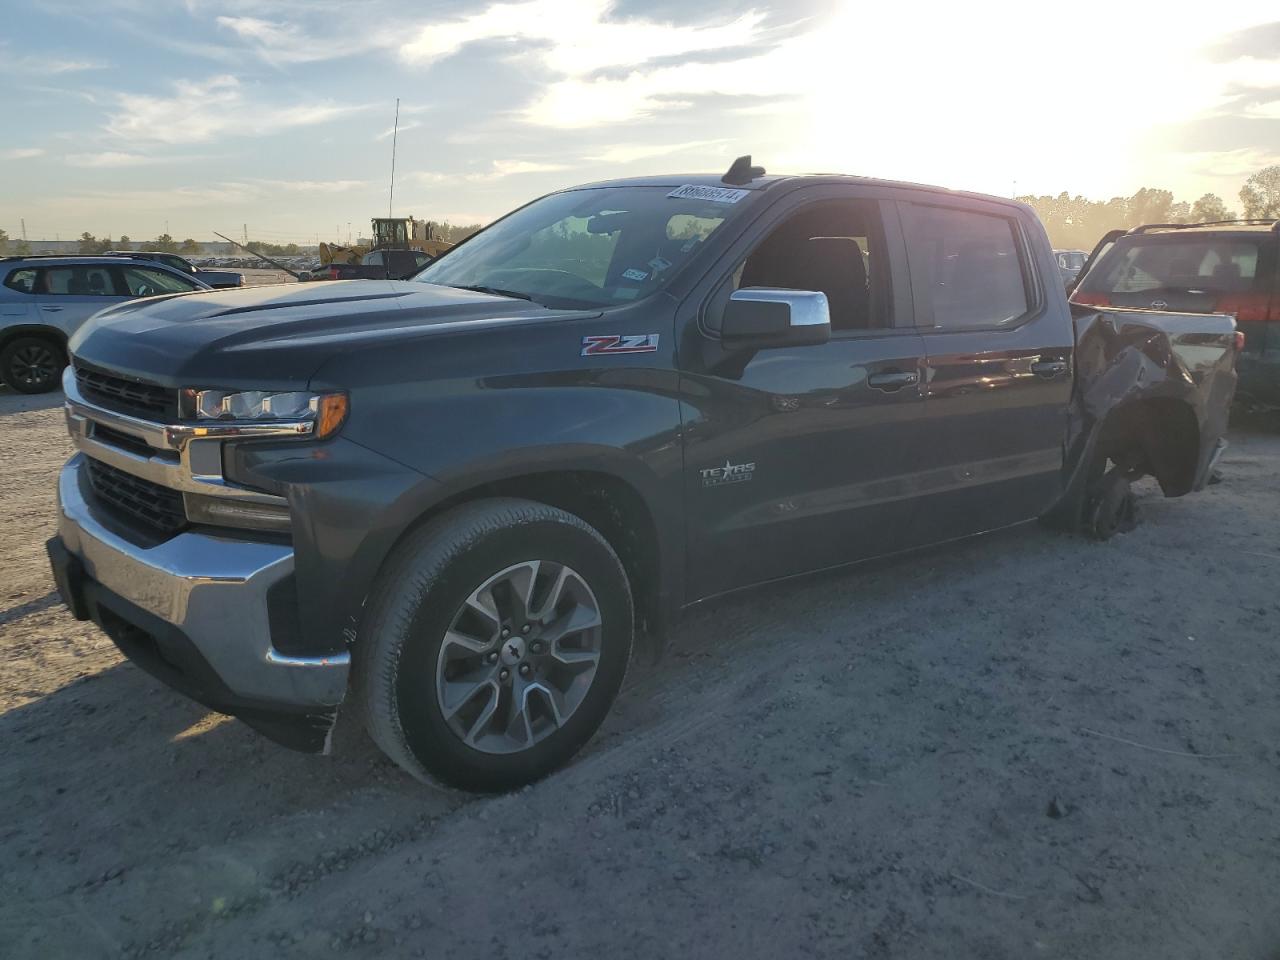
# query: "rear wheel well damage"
609,504
1159,437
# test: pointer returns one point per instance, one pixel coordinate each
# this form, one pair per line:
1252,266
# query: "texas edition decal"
730,473
619,343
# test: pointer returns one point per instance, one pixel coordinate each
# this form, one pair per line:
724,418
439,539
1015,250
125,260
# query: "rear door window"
966,267
81,281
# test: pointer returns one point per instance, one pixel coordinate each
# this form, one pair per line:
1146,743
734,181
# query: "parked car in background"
44,300
1229,267
1070,263
214,278
376,265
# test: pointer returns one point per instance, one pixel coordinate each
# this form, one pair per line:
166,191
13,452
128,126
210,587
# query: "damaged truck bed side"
454,502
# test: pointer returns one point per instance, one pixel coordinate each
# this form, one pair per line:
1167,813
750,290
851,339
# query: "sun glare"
1008,96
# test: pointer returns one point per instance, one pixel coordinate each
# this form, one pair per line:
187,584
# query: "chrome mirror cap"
809,308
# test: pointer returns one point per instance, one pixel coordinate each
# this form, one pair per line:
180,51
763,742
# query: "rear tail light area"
1091,299
1239,339
1245,307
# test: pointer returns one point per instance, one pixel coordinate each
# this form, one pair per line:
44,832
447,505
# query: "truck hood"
276,337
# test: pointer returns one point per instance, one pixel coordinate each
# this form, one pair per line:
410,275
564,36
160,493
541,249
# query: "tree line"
1072,222
1077,223
90,245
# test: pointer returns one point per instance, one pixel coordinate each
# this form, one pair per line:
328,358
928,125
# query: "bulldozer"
389,233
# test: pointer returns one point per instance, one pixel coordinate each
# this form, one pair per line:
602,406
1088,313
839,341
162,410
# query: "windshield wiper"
499,291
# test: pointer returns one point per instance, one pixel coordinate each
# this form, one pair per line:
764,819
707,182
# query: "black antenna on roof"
742,171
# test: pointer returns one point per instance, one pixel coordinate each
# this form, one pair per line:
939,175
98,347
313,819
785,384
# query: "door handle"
51,309
893,380
1049,369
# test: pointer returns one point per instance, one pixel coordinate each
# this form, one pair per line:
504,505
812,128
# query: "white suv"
44,300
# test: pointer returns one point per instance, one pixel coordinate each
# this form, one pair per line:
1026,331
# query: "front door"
800,458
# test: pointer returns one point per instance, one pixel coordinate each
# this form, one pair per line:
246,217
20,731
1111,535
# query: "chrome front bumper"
210,588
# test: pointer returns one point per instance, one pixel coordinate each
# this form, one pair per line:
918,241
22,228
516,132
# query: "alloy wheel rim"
519,657
33,365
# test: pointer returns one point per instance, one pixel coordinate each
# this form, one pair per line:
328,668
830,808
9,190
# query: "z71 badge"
619,343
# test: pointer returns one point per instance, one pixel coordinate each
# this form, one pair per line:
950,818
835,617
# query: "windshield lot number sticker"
619,343
634,274
692,191
729,473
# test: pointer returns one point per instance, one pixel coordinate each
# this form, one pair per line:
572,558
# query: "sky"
191,116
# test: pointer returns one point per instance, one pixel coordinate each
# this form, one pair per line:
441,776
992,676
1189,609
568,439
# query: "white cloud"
409,125
574,40
111,158
34,65
313,186
579,39
204,110
631,152
21,153
498,169
508,168
280,42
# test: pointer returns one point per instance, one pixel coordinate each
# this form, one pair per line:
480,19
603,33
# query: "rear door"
67,296
998,342
799,458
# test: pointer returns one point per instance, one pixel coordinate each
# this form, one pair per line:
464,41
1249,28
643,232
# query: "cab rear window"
1209,264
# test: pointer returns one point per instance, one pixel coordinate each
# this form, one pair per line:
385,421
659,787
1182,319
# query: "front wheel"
32,364
497,638
1112,507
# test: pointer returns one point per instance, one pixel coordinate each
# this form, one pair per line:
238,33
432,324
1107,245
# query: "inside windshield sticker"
615,343
626,293
692,191
658,264
634,274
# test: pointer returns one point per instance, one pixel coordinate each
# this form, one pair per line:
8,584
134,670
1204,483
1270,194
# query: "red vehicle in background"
1226,267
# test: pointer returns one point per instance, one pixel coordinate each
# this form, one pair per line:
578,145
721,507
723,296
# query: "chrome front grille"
128,396
158,509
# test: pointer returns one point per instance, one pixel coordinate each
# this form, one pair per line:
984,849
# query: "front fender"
1130,356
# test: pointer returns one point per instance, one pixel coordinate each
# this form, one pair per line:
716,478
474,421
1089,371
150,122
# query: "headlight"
327,410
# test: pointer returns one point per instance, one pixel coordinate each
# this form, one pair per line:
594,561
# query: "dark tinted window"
77,282
1210,264
967,265
24,281
835,248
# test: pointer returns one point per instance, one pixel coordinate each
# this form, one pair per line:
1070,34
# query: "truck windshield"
587,248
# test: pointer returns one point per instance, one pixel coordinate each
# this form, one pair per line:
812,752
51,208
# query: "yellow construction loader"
389,233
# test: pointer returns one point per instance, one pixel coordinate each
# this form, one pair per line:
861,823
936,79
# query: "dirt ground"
1025,745
257,278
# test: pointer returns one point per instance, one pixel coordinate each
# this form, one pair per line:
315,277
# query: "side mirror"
761,317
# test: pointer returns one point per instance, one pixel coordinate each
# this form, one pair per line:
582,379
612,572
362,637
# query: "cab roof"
773,181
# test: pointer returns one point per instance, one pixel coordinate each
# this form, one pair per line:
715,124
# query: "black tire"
1112,507
32,364
425,583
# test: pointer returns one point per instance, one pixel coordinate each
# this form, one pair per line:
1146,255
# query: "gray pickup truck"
449,507
218,279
